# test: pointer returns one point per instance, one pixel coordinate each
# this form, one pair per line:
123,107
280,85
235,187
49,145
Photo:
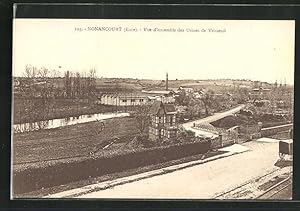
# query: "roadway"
209,119
203,181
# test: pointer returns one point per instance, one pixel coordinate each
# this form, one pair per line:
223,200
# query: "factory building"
132,99
135,99
121,99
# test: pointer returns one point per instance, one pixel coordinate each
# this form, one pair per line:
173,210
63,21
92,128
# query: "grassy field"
34,148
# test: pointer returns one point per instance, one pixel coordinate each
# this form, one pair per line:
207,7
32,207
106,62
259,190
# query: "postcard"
152,109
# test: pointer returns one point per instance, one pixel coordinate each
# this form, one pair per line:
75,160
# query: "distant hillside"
128,84
133,85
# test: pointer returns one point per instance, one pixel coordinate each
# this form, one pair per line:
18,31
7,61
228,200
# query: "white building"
186,89
128,99
123,99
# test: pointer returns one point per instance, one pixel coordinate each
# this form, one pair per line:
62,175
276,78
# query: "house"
259,93
199,95
164,99
186,89
163,123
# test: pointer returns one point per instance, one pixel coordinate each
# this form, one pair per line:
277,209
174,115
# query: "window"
132,100
124,101
160,120
141,100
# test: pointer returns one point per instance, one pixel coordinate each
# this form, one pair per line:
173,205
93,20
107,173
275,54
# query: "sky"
202,49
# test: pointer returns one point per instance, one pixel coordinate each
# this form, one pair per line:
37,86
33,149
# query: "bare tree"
142,118
27,86
67,84
92,82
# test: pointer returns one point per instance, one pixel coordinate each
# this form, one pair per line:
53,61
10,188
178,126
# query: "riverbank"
55,145
62,108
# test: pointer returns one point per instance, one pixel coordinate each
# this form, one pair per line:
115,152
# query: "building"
123,99
164,99
163,123
158,92
259,93
133,99
139,98
186,89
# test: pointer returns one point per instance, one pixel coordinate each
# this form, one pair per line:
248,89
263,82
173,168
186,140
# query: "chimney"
167,81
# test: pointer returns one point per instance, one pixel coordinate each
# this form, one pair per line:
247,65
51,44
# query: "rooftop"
168,108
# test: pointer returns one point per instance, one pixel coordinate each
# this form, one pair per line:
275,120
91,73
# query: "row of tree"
195,105
42,82
80,85
40,87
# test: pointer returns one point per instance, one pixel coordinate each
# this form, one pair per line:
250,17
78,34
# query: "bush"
143,140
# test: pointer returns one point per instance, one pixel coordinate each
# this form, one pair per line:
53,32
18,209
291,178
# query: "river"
56,123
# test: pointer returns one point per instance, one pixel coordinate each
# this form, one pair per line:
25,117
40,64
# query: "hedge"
62,173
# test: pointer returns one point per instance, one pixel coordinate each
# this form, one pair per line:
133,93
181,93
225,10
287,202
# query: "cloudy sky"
257,50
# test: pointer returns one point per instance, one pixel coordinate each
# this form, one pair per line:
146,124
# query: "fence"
276,129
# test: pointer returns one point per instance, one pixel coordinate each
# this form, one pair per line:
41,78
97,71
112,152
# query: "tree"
92,83
243,95
67,84
182,99
29,75
207,102
184,135
29,110
142,117
194,106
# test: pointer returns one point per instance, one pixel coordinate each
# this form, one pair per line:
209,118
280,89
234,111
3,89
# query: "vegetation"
142,117
39,89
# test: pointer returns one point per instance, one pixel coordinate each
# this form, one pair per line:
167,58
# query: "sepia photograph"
152,109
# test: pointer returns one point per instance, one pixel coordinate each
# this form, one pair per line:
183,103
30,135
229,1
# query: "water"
55,123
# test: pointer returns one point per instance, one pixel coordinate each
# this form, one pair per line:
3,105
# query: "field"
75,141
110,85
